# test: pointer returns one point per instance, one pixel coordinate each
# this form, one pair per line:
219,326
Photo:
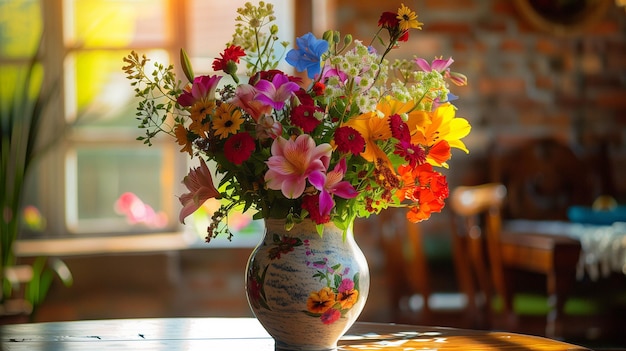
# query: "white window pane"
119,189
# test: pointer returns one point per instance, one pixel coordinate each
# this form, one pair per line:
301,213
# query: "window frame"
52,184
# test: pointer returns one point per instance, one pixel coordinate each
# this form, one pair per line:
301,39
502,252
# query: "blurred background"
106,204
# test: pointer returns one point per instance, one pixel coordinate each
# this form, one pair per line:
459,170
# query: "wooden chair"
476,215
488,258
405,265
543,177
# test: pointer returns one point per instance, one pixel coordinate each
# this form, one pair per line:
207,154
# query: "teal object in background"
587,215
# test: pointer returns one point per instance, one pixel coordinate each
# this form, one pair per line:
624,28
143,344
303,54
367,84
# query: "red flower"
304,98
239,147
349,140
389,20
231,53
399,129
330,316
311,203
414,154
426,188
269,76
303,117
318,88
404,36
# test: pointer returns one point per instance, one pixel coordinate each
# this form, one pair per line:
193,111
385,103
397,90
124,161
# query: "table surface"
247,334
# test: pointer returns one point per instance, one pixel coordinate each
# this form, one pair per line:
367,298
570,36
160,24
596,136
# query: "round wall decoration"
562,17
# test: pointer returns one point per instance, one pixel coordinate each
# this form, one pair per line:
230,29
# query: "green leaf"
337,280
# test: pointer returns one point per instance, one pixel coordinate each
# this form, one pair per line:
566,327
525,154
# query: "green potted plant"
23,139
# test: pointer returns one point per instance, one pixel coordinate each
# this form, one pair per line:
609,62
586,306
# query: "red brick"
544,82
450,5
448,27
504,7
546,46
512,45
493,25
613,99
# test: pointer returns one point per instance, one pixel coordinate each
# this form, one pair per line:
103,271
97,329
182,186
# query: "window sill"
102,245
130,244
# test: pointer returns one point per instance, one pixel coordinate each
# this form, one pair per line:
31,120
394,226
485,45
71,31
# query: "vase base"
282,347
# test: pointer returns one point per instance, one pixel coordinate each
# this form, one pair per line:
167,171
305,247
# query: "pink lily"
203,88
200,184
438,65
276,92
458,79
442,66
292,162
244,99
331,184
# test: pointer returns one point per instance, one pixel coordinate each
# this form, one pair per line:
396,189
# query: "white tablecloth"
603,246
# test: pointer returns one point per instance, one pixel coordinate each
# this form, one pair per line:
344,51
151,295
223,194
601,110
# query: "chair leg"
558,288
465,279
507,300
560,282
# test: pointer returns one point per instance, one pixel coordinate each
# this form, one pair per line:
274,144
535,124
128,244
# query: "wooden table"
247,334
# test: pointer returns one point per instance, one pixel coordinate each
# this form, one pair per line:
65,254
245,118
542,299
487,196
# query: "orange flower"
348,298
439,153
320,301
426,188
182,139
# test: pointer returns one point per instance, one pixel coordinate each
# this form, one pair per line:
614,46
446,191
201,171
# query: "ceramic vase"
306,289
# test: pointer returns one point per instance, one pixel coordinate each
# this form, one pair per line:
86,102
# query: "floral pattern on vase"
306,289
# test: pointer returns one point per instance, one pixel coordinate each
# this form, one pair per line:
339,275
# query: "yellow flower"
372,128
227,120
408,19
444,126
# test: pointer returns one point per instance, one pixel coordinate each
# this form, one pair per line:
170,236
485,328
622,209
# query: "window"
98,180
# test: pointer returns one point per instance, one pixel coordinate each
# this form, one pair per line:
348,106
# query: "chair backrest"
476,224
543,177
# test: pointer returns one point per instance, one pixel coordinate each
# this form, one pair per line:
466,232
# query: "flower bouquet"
352,134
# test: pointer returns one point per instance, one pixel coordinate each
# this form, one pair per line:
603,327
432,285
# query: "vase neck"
278,225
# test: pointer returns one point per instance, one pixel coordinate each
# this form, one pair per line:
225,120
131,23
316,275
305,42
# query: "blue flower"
307,56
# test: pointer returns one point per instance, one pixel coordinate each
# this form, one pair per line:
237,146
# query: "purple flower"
276,92
308,55
330,184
